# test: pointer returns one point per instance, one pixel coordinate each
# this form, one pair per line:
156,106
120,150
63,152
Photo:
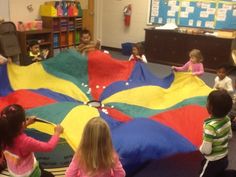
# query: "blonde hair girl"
194,65
95,156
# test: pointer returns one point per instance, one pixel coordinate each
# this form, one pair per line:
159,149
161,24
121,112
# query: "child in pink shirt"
18,148
95,156
194,65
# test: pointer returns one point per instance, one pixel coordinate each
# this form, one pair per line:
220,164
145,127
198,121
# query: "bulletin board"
213,14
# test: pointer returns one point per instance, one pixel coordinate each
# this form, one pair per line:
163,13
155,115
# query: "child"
217,132
194,65
95,156
3,60
17,147
34,52
222,81
137,53
86,43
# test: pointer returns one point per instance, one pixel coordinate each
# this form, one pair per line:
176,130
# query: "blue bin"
127,48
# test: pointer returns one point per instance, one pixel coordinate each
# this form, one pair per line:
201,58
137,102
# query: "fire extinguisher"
127,14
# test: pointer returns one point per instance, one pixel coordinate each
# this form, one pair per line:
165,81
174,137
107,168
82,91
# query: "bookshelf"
65,31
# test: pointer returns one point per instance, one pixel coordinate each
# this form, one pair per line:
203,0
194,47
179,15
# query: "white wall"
114,31
19,11
4,10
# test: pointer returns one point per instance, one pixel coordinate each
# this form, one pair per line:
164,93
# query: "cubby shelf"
65,30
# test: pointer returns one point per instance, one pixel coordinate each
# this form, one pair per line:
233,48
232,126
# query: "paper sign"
184,14
205,5
154,13
199,23
190,9
160,20
185,4
204,14
152,19
171,3
234,13
190,22
227,6
171,13
209,24
211,11
221,17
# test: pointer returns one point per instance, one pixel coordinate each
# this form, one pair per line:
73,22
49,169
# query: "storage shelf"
68,33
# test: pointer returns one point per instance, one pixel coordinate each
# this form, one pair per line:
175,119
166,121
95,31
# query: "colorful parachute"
149,117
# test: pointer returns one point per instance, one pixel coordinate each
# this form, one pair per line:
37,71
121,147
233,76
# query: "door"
88,16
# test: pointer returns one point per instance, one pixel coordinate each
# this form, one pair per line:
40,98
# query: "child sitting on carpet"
86,44
95,155
35,53
17,147
217,132
137,53
194,65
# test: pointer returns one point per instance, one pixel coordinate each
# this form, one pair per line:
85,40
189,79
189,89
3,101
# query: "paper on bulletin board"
205,5
171,13
211,11
209,24
172,3
234,13
185,4
160,20
190,9
199,23
204,14
227,6
155,12
190,22
184,14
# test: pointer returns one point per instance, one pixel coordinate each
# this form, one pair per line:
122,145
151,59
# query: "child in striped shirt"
217,132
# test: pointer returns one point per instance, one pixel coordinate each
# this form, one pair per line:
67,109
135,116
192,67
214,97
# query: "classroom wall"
4,10
19,11
114,31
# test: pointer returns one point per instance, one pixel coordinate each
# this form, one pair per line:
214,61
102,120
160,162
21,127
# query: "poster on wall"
211,14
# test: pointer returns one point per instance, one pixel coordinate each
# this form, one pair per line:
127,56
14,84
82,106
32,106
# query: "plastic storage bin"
127,48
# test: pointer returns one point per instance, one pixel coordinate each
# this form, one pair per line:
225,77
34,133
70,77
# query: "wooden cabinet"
44,37
65,30
172,48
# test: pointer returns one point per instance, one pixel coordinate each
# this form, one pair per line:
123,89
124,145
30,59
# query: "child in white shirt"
137,53
222,81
